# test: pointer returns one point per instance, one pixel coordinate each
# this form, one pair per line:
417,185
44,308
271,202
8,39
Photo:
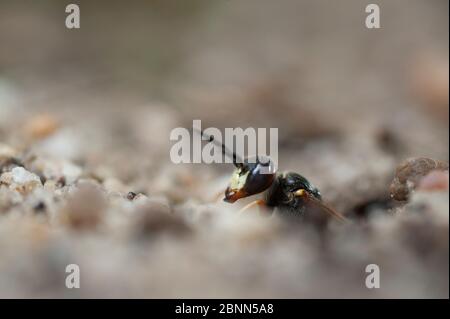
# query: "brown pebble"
410,172
429,83
85,208
41,126
131,195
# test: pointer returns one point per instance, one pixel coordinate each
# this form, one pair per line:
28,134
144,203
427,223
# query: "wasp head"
253,176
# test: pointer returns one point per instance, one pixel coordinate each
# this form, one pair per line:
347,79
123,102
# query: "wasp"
289,193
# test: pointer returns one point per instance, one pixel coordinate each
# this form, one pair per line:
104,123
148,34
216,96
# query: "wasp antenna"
237,161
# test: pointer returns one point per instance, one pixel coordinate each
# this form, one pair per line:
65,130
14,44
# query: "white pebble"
21,176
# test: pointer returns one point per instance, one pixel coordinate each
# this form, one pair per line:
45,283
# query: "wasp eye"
259,178
255,176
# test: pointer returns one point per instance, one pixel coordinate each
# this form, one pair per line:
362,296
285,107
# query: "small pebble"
85,208
21,176
156,219
131,195
41,126
56,169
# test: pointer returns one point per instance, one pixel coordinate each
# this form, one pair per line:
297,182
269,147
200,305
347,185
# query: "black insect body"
283,192
289,193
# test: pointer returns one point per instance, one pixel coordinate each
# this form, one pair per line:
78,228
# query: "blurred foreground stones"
85,173
138,231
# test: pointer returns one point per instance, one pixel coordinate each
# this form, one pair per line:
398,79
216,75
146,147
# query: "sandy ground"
85,118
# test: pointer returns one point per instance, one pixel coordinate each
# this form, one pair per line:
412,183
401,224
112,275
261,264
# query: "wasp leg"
258,202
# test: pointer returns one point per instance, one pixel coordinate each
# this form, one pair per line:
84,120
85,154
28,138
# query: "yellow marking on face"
238,180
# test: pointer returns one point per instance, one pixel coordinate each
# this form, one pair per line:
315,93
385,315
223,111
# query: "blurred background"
98,104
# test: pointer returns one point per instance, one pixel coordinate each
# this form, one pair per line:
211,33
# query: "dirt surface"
86,177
